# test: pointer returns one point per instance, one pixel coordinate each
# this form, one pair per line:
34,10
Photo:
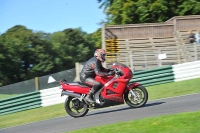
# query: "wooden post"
175,29
184,49
78,69
117,57
36,84
103,36
195,52
131,60
145,60
159,60
178,54
103,45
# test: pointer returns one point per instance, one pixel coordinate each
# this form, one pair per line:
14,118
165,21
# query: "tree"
96,37
2,58
24,55
148,11
42,57
16,42
72,45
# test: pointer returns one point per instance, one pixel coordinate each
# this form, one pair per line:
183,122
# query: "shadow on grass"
125,108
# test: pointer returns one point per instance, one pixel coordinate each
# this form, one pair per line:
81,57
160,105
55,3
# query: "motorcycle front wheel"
75,108
139,98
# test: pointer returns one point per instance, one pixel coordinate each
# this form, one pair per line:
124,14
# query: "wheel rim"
138,98
76,107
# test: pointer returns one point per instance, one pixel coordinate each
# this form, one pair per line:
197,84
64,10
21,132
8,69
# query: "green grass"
155,92
174,89
178,123
32,115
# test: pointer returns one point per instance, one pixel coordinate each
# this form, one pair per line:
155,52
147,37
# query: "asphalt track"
187,103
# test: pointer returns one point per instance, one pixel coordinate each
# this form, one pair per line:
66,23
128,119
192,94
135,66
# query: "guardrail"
52,96
154,76
185,71
31,100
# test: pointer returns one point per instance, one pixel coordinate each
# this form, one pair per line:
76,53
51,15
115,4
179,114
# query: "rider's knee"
97,86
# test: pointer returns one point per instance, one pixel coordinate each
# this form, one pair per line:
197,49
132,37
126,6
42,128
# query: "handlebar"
118,72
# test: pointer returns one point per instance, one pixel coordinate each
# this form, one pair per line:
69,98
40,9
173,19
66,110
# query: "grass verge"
174,89
32,115
179,123
155,92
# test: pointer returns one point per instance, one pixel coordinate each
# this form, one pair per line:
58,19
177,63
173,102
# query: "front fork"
132,93
130,86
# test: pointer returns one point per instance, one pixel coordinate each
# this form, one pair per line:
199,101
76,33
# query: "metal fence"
33,85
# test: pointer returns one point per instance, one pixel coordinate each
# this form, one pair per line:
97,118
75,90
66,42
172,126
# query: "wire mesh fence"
68,75
31,86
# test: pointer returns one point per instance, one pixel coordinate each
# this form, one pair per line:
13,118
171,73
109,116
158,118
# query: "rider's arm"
104,69
99,69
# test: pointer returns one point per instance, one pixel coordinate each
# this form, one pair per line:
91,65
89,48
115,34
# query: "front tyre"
75,108
139,98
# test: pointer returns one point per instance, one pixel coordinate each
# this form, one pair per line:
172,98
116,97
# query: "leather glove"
111,69
111,73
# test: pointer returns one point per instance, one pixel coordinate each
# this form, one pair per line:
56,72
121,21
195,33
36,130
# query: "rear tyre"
140,98
75,108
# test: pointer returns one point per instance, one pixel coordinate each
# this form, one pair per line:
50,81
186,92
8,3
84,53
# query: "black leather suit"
92,68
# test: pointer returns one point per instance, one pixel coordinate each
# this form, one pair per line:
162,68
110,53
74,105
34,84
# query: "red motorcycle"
116,89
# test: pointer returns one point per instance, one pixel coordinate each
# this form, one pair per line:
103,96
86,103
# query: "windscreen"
119,64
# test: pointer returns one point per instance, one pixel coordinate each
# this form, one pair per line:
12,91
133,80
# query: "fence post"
159,60
77,67
117,57
131,60
103,40
36,84
178,54
145,60
195,52
185,53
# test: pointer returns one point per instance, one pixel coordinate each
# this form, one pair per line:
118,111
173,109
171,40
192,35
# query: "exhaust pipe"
70,94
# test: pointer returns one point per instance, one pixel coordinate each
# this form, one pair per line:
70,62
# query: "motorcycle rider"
92,68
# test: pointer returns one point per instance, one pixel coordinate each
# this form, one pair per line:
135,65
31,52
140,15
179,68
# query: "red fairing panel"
76,88
133,85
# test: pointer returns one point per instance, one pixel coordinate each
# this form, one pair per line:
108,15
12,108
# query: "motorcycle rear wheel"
140,99
75,108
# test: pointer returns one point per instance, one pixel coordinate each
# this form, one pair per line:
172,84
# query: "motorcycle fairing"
110,94
133,85
76,87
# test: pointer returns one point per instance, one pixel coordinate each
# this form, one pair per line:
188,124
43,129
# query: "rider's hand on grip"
111,69
111,73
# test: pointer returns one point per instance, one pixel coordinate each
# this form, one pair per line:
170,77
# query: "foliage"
148,11
71,45
96,36
25,54
16,50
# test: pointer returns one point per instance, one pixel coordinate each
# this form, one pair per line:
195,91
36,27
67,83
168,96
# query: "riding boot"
89,96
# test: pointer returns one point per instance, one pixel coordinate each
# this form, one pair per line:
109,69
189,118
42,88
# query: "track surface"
111,115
